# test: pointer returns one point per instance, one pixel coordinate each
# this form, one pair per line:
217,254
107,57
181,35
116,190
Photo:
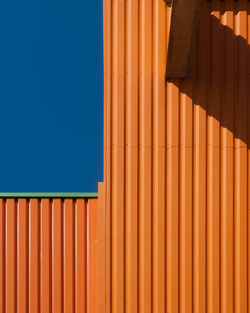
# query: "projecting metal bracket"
182,37
169,2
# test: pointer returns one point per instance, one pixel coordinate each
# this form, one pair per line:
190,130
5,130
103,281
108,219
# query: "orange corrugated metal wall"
177,162
47,248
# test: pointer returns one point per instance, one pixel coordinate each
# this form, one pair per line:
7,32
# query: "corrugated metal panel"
177,162
48,255
101,264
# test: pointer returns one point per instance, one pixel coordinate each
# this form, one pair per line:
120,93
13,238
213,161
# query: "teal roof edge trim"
48,195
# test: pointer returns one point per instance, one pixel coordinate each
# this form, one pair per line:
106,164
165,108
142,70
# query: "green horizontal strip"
48,195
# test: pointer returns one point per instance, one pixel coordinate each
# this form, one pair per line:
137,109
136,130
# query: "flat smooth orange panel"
69,256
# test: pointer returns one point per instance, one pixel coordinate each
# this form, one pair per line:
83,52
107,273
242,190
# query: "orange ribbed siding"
47,249
176,162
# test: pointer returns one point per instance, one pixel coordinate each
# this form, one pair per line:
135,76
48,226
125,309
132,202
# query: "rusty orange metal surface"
177,162
48,255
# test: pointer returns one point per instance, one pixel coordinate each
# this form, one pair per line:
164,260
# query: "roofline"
48,195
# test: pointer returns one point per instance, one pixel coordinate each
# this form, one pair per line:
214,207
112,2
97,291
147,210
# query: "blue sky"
51,95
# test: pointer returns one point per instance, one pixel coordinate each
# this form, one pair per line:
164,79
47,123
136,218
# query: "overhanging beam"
183,29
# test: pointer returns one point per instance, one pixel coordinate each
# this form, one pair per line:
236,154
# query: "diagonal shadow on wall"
220,80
